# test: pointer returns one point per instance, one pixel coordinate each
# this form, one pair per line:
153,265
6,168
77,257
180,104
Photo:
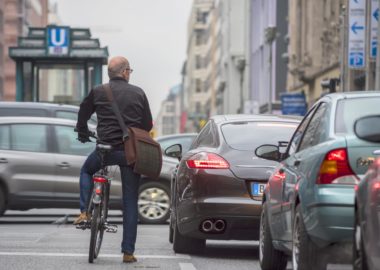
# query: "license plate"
257,189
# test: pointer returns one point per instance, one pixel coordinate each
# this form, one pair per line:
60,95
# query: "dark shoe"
129,258
83,217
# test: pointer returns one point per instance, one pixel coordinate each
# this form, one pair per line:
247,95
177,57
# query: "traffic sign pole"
377,81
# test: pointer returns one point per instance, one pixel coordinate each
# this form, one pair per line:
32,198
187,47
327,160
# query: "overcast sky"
152,34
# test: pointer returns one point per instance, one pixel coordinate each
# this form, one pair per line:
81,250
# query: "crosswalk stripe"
187,257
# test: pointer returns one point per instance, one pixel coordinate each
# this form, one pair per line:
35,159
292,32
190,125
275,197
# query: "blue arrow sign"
376,14
355,27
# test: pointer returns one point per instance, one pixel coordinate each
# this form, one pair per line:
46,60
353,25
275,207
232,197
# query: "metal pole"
377,82
343,47
270,78
367,46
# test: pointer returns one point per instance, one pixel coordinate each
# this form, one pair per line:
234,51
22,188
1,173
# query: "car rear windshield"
349,110
250,135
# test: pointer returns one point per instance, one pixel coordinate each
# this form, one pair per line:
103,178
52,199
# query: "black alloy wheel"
305,254
188,245
2,201
269,257
359,256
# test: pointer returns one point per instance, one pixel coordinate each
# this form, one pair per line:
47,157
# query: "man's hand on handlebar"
84,136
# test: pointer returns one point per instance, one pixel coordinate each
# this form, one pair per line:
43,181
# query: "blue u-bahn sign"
58,41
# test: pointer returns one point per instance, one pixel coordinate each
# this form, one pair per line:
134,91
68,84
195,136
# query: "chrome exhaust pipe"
219,225
207,226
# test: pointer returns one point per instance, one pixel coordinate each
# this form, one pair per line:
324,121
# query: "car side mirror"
174,151
368,128
268,151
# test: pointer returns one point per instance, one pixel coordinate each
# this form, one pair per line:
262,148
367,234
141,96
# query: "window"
207,137
316,131
68,144
198,62
29,137
74,116
198,107
348,110
67,115
23,112
198,85
4,137
297,136
250,135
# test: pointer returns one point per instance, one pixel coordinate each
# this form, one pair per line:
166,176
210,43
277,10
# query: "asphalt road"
45,239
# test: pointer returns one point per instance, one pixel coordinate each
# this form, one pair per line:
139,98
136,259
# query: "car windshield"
349,110
250,135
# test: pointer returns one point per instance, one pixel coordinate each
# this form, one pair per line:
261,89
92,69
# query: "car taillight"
335,169
207,161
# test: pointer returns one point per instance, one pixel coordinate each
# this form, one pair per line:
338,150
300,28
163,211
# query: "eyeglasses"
129,69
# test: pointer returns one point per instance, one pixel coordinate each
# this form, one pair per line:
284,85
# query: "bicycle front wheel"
97,231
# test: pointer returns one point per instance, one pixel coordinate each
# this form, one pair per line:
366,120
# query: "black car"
218,187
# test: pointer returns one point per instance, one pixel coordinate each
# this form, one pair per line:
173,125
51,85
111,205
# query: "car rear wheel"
305,254
359,256
154,203
270,258
2,201
184,244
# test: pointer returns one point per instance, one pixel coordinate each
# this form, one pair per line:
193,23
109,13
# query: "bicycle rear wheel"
97,231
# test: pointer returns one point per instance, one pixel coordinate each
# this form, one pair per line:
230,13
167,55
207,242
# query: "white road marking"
187,266
187,257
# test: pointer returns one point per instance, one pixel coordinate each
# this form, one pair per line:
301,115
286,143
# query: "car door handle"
3,160
64,165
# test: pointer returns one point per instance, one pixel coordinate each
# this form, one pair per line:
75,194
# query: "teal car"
308,203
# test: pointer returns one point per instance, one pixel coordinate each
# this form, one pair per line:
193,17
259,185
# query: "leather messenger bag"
141,151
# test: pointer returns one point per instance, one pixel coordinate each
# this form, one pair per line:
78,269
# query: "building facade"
268,61
169,116
16,16
314,45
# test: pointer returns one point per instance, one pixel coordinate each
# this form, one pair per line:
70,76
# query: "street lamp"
270,37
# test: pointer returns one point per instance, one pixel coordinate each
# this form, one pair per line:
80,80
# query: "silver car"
40,162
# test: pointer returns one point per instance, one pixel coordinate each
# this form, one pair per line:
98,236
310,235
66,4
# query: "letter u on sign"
55,40
58,41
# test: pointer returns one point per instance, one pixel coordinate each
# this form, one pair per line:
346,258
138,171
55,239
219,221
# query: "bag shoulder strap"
116,110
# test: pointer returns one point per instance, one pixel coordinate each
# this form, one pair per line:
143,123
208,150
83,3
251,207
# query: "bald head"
116,67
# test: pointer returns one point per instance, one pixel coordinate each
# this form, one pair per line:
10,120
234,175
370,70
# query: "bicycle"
98,205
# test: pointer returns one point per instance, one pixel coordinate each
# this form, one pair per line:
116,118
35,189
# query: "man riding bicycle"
135,111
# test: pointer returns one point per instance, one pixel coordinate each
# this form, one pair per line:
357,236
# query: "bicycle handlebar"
89,133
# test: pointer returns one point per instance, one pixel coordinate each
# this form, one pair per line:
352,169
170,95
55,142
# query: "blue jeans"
130,186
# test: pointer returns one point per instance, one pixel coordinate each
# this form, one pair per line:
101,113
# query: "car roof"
353,94
220,119
176,136
37,120
13,104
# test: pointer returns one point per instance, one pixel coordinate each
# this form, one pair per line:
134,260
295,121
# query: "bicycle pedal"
110,228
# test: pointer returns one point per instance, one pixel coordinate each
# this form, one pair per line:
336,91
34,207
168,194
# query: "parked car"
308,204
217,189
40,109
40,162
154,195
367,201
